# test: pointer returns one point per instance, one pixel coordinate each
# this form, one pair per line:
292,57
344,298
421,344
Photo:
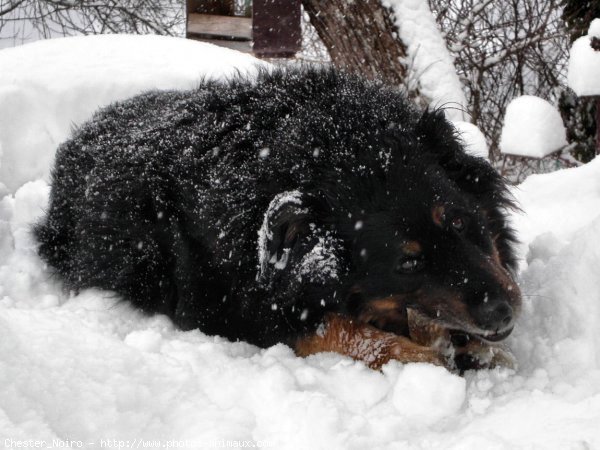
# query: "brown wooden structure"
270,30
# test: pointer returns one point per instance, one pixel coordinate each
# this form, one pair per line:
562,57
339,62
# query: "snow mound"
430,62
46,90
532,128
584,63
425,394
559,203
472,138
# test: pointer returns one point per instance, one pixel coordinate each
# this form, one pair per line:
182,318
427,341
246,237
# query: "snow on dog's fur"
308,207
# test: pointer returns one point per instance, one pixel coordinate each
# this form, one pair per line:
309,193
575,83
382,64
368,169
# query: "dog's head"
439,255
428,232
439,242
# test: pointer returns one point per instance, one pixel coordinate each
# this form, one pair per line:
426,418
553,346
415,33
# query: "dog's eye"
409,265
458,224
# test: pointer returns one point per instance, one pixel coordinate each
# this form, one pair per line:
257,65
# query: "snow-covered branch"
502,50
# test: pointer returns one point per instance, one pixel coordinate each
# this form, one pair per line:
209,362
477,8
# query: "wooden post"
218,7
213,21
276,28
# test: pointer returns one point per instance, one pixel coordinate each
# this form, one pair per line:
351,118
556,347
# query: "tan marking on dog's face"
503,276
437,215
411,248
505,279
445,307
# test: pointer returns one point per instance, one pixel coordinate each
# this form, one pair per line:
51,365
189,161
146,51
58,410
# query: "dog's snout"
494,314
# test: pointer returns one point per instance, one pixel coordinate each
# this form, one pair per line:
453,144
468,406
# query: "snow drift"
48,90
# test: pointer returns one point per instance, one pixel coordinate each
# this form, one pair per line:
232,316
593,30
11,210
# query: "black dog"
307,207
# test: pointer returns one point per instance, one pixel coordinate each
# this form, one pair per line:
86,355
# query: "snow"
594,29
425,394
321,263
91,369
584,63
54,90
532,128
318,264
429,60
472,138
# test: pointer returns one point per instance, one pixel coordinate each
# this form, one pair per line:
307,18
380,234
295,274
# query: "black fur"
161,199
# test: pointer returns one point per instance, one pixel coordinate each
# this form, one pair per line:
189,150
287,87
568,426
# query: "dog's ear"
472,174
286,219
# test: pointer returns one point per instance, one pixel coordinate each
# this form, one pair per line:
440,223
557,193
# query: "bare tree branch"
502,50
67,17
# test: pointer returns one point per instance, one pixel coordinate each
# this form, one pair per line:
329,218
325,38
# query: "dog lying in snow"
307,207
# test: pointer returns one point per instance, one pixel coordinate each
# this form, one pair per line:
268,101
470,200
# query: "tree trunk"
360,37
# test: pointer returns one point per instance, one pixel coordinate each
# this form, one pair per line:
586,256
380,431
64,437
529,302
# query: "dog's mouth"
494,336
459,330
396,315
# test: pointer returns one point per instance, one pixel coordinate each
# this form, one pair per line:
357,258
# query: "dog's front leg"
365,343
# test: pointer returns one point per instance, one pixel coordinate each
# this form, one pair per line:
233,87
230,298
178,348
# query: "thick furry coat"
243,207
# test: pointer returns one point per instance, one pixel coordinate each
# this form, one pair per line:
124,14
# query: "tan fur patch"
437,215
385,313
495,252
412,248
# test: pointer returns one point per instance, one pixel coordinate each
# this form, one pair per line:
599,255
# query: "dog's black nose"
494,315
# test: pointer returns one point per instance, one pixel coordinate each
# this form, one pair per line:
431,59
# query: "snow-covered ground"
90,370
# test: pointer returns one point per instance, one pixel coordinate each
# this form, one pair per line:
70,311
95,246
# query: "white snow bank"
584,63
532,128
429,60
472,138
557,341
559,203
594,29
46,89
90,368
